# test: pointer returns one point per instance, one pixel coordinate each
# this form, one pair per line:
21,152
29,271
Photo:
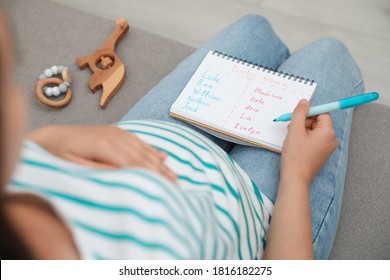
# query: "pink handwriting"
272,82
250,130
244,71
245,117
250,108
262,92
267,93
257,100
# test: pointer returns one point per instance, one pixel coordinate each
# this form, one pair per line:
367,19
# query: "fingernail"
173,175
163,154
303,101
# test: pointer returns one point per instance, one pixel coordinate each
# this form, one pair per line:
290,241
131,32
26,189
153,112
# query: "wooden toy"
49,102
45,89
108,70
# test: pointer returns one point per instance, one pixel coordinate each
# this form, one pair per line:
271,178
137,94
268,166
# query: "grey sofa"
48,34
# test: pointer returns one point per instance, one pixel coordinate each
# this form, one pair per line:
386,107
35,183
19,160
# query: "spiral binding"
265,68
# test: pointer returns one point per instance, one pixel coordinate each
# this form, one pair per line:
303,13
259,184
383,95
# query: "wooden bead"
106,62
52,103
67,76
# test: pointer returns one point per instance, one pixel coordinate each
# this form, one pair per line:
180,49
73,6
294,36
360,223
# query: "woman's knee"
254,19
255,22
338,54
332,43
331,48
257,30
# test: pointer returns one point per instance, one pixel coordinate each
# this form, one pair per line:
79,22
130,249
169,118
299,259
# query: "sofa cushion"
364,227
42,41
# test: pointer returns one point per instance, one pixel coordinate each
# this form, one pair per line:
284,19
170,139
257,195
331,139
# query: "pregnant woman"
153,187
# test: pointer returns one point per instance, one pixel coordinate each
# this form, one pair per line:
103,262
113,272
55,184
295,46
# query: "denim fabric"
327,61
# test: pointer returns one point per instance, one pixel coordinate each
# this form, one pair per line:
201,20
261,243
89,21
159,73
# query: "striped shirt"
215,212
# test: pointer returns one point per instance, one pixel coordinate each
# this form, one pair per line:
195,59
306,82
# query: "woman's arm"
308,145
289,236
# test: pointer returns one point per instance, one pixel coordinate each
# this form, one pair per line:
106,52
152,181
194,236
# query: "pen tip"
274,120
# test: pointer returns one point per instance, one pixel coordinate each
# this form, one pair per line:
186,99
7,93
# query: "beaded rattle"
108,70
44,90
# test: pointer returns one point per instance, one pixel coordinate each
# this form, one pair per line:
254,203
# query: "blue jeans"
327,61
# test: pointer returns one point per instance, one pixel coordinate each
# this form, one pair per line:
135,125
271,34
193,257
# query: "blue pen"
333,106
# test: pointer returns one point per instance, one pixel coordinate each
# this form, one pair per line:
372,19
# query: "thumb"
299,115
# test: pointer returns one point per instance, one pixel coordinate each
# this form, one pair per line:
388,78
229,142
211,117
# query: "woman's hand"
309,143
103,146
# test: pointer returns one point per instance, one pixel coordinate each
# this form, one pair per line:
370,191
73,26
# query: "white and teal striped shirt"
216,212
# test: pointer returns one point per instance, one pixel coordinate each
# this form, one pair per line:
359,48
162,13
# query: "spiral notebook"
237,100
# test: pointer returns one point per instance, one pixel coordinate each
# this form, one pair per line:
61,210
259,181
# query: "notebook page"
241,99
211,93
267,97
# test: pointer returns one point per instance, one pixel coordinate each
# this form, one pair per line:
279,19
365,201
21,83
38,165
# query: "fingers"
112,147
324,120
86,162
151,157
150,163
298,120
108,147
309,122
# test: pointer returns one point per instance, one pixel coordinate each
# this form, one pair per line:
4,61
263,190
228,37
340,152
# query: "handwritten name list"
202,93
236,97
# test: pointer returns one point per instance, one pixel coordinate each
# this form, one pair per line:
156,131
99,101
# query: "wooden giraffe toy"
108,70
